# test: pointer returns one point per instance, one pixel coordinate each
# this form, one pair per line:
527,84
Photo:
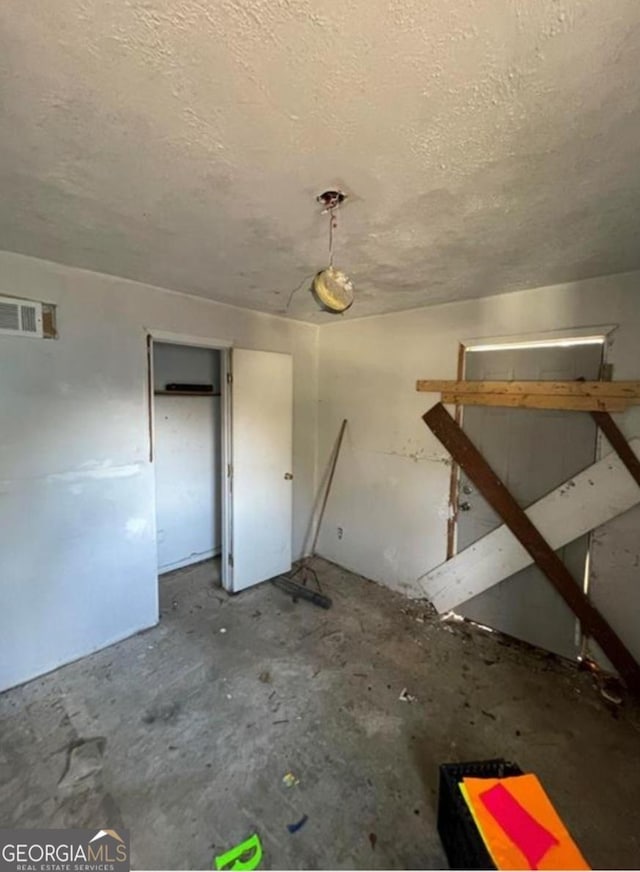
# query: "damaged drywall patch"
418,456
390,555
95,470
331,199
444,509
136,527
74,477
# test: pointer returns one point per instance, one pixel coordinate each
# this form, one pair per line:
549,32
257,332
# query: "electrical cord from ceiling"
296,289
333,224
331,200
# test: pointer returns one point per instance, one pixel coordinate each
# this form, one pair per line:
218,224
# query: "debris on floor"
609,686
265,677
293,828
84,758
331,732
405,696
166,713
234,855
290,780
610,690
420,611
451,616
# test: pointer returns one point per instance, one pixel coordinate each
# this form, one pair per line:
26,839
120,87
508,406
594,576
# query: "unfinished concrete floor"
183,733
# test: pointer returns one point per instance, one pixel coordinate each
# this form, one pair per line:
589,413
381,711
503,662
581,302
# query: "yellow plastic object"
333,289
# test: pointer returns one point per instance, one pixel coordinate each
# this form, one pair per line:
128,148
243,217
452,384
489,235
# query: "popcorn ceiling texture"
486,147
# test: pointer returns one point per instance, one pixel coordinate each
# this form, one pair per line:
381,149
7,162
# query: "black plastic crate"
460,837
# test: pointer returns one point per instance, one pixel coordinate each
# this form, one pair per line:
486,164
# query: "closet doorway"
221,444
187,454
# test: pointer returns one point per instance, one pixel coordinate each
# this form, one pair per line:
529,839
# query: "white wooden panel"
586,501
187,456
188,474
262,444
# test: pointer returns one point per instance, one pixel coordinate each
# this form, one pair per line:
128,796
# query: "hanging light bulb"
331,287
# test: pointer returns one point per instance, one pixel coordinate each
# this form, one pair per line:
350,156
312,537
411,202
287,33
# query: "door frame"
568,336
225,348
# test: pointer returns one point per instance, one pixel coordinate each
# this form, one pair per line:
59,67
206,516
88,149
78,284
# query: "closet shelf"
186,394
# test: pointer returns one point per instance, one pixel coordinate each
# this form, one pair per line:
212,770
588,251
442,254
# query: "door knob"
288,476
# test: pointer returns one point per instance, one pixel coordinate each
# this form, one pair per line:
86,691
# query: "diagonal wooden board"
586,501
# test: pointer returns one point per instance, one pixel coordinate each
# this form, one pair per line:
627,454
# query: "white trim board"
581,504
554,337
190,561
169,338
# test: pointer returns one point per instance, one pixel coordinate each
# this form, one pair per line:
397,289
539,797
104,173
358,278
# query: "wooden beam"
627,390
615,436
539,401
586,501
327,491
464,452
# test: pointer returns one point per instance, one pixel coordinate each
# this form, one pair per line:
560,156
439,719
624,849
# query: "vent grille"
28,319
20,318
9,316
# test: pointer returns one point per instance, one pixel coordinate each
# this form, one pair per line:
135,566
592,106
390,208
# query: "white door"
260,484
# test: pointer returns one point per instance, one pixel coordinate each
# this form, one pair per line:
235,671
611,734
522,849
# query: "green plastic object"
234,855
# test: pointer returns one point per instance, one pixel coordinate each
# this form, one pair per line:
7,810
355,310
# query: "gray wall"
187,458
391,489
77,491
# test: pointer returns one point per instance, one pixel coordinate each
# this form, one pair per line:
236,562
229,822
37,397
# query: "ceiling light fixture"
331,287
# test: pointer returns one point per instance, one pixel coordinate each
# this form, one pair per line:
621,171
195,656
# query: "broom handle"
334,463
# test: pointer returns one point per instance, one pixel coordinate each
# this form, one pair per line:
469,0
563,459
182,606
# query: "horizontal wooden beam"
627,390
464,452
539,401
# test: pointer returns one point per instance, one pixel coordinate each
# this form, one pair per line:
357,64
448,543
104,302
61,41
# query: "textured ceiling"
486,146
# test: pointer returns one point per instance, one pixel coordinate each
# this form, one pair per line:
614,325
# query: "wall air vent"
20,318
